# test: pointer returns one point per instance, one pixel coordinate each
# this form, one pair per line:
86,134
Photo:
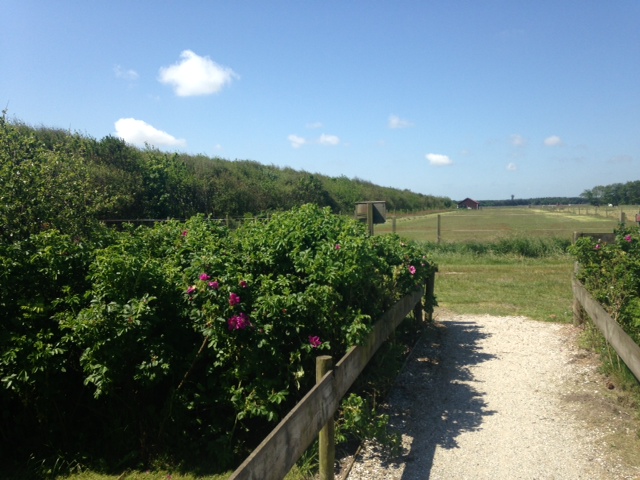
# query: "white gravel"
494,398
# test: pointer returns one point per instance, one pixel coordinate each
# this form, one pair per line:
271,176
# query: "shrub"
611,273
188,339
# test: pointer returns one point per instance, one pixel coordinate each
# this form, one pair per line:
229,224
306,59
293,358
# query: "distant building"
469,204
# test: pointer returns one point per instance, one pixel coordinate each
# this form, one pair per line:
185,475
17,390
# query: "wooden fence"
626,348
583,303
286,443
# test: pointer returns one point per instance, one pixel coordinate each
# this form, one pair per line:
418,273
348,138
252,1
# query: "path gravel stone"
495,398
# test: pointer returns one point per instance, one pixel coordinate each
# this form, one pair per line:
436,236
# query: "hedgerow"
186,339
611,273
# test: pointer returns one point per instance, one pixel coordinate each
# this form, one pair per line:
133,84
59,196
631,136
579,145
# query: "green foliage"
184,338
516,246
42,188
359,419
52,177
542,201
617,194
611,273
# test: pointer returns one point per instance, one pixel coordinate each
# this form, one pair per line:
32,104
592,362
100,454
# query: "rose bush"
187,338
611,273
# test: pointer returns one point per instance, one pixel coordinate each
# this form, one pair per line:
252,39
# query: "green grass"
505,261
539,288
491,224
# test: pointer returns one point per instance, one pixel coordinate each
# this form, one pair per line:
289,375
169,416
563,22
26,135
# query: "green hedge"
184,340
611,273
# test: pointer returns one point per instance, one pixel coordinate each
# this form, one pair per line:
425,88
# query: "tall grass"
518,246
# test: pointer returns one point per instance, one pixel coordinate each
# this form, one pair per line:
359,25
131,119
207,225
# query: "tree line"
615,194
52,176
534,201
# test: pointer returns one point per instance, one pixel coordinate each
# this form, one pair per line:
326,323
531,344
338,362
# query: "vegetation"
611,273
158,347
495,224
185,339
518,276
515,202
615,194
109,179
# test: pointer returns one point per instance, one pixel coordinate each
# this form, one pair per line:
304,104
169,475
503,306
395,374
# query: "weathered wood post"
430,296
438,231
578,312
393,223
417,311
623,217
326,437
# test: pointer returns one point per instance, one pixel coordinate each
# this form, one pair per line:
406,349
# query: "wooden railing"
282,448
622,343
583,302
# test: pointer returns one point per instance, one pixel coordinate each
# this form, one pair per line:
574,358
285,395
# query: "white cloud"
328,140
512,167
138,132
397,122
125,74
196,75
518,140
553,141
438,160
296,141
324,139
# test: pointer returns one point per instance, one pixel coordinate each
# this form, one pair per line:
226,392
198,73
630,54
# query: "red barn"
469,204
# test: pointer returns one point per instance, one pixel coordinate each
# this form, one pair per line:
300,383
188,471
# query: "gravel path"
499,398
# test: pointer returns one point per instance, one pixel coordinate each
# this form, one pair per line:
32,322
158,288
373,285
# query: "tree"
41,188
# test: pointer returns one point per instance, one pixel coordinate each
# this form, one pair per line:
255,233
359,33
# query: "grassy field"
539,288
518,264
490,224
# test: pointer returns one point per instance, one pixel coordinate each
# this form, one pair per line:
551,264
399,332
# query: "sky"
482,98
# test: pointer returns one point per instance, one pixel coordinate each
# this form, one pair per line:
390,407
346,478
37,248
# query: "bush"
185,339
611,273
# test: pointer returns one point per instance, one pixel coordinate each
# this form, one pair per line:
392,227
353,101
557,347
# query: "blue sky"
480,99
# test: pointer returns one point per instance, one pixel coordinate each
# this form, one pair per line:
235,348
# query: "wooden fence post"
438,233
418,312
326,437
578,311
430,296
393,223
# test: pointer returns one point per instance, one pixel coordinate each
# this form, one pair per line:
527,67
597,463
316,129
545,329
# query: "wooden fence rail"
286,443
626,348
583,302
